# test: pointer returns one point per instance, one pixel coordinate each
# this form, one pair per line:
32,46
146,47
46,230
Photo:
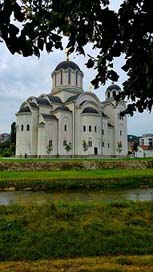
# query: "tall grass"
72,179
76,229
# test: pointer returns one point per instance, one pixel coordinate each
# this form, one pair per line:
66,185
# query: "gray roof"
42,101
62,108
49,116
83,102
33,104
53,98
24,109
66,65
90,110
113,87
72,98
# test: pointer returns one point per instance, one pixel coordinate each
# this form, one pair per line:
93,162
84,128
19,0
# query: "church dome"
112,91
24,109
67,77
66,65
113,87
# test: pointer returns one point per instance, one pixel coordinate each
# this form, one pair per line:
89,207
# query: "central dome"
67,80
66,65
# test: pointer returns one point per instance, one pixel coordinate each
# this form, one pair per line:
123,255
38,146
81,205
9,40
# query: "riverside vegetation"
46,233
75,229
73,179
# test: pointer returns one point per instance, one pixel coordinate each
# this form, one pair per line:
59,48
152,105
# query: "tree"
49,147
68,147
119,147
13,138
13,133
135,148
7,147
128,31
85,146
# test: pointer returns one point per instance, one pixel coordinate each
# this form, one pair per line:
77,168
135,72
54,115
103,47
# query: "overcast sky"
23,77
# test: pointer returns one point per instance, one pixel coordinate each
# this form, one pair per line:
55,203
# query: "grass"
81,174
23,160
85,264
65,230
73,179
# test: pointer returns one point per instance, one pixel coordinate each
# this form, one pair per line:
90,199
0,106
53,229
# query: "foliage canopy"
30,26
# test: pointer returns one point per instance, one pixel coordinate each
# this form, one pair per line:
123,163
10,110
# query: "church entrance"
95,150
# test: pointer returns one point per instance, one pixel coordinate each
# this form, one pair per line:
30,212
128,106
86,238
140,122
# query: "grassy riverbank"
63,230
73,179
92,264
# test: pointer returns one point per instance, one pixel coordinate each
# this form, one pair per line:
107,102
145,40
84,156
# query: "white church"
70,116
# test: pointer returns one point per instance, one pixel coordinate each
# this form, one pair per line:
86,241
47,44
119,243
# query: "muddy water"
25,198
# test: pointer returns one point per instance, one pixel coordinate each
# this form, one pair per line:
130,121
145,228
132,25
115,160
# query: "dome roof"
42,101
62,108
24,109
113,87
55,99
66,65
72,98
90,110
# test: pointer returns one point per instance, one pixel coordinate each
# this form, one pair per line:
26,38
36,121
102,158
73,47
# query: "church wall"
45,109
120,127
41,141
77,130
110,142
91,123
34,134
104,137
47,134
64,131
121,131
65,94
72,108
24,135
109,110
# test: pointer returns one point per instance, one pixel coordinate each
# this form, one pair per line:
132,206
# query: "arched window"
114,93
69,76
64,142
90,143
61,77
22,127
28,127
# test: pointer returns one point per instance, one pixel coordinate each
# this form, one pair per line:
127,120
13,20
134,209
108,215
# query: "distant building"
132,141
70,116
145,148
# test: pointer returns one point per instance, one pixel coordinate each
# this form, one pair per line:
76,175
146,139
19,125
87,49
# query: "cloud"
140,123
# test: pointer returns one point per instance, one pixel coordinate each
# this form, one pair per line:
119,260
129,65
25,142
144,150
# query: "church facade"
71,121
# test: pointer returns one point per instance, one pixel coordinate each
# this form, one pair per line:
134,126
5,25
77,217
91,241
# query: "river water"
28,198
